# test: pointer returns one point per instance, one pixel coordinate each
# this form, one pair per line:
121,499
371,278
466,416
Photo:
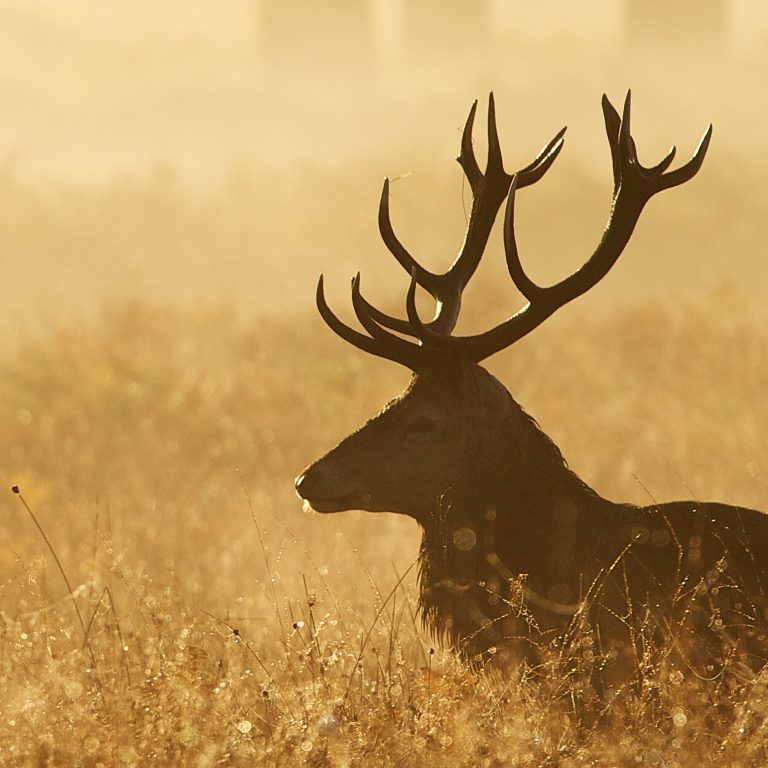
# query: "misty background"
227,153
175,176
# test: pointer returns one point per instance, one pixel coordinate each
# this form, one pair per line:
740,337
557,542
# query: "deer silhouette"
516,548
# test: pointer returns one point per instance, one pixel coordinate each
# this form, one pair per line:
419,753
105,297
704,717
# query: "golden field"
172,181
212,622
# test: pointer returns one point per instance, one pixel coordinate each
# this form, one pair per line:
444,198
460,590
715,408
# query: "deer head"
456,434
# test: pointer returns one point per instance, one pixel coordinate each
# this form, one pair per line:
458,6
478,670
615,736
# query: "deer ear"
496,401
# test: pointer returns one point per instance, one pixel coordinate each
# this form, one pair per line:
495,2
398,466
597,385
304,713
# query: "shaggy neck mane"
494,525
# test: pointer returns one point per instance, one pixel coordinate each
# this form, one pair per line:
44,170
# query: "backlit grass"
223,626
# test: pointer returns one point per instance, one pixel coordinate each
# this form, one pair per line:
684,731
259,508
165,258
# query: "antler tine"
634,185
662,166
542,162
691,168
522,282
467,159
408,355
412,312
396,248
354,337
374,329
627,153
420,329
388,321
494,164
612,127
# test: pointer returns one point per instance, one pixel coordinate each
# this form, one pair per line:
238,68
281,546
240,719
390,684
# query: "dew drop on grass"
189,736
327,725
679,718
244,726
73,689
464,539
127,755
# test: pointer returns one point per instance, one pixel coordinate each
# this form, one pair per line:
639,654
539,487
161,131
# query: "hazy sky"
89,87
231,151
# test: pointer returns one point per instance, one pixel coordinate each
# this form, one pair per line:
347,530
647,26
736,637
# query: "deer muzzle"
324,493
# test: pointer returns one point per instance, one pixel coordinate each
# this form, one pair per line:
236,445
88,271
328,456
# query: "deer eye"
421,425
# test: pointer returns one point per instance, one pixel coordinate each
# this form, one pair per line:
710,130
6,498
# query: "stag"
515,547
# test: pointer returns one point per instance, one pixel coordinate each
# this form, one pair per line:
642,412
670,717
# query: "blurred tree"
680,26
321,40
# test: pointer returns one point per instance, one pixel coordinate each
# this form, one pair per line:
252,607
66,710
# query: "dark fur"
697,571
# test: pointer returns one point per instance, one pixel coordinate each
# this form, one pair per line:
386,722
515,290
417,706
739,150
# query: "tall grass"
221,625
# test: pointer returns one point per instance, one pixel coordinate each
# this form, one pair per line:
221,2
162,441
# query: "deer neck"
516,517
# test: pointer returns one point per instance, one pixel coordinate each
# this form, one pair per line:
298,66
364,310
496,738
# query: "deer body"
516,549
496,501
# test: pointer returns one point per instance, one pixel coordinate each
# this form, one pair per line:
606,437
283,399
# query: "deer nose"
315,483
306,483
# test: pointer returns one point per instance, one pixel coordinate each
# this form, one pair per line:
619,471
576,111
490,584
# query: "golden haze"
174,177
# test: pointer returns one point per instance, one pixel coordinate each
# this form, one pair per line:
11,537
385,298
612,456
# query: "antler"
489,189
634,185
488,192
